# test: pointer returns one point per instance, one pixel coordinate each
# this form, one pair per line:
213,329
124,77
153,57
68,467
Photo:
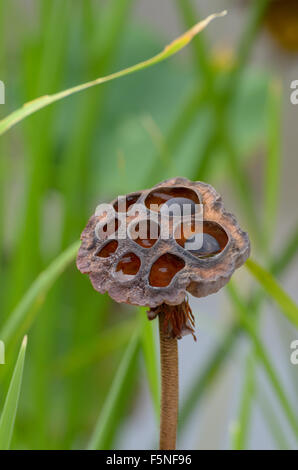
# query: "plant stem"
169,387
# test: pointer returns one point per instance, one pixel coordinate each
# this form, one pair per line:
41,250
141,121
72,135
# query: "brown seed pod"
152,270
282,20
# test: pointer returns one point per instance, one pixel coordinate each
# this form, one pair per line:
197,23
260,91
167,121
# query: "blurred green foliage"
198,117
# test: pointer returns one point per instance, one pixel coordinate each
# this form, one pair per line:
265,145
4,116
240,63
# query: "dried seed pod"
282,20
156,269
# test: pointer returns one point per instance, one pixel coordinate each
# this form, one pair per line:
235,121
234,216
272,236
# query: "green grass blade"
11,403
242,183
182,122
257,15
276,292
241,427
39,103
104,344
151,361
272,170
248,324
274,426
22,316
189,14
47,69
288,253
247,42
116,397
208,376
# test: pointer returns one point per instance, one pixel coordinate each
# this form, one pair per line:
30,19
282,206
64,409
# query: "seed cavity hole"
209,241
128,266
108,249
164,269
173,201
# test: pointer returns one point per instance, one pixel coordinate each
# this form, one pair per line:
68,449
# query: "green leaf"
39,103
207,377
276,292
150,358
288,253
23,315
104,344
274,426
202,62
248,323
11,403
116,396
248,39
242,425
272,170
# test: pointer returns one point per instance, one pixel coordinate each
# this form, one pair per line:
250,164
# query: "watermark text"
294,355
294,94
181,221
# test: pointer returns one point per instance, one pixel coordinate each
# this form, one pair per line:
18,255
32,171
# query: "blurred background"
219,112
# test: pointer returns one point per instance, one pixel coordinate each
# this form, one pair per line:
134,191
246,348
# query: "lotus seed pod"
282,20
173,256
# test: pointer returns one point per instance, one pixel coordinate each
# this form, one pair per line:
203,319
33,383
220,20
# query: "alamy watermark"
294,354
179,220
2,352
2,93
294,94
